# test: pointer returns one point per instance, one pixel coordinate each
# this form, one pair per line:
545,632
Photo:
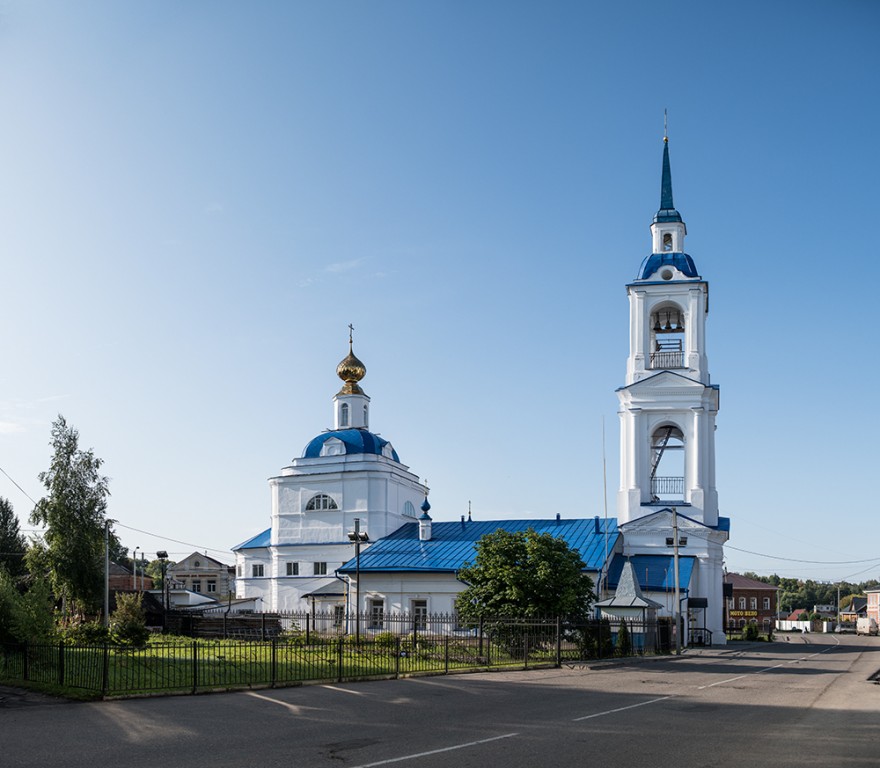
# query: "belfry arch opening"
667,464
667,337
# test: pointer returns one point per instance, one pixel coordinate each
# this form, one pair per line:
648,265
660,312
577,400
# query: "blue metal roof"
452,544
681,261
656,573
667,210
355,441
260,540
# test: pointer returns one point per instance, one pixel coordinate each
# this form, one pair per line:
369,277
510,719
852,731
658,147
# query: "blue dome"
355,441
681,261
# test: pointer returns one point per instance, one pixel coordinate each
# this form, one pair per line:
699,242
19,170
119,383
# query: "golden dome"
351,371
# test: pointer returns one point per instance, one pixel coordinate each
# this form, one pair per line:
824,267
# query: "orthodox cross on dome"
351,370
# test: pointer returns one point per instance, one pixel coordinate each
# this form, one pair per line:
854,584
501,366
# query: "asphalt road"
805,701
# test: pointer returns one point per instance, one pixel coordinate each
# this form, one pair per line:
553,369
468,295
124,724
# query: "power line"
18,486
176,541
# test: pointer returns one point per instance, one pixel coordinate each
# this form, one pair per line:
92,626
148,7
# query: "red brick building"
749,602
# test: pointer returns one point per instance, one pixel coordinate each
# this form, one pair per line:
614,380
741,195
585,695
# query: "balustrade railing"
667,487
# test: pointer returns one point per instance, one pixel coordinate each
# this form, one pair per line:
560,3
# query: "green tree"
624,641
127,624
25,616
73,512
524,573
155,570
12,543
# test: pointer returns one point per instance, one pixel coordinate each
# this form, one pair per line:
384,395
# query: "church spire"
667,210
667,229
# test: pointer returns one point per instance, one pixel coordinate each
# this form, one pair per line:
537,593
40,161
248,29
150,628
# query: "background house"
202,575
752,602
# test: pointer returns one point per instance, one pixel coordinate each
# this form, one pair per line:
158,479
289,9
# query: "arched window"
667,464
320,501
343,415
667,242
366,417
742,603
409,510
667,337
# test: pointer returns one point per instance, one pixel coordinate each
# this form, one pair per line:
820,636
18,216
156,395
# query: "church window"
667,337
366,417
409,510
320,569
293,569
320,501
257,570
377,614
667,466
742,603
667,242
343,415
333,446
239,571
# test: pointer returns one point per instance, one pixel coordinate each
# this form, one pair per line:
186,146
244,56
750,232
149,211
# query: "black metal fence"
309,650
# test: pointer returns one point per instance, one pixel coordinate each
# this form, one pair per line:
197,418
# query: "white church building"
349,479
667,415
345,473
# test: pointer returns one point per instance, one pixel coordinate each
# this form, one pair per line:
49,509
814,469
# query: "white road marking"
436,751
297,710
769,669
620,709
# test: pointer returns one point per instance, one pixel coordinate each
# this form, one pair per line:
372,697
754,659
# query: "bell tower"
668,404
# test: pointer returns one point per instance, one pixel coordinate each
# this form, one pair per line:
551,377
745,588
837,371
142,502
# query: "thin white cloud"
343,266
10,427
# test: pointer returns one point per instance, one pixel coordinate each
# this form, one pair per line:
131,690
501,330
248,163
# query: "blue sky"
196,199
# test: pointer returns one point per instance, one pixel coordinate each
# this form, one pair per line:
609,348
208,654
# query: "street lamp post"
163,556
357,538
134,569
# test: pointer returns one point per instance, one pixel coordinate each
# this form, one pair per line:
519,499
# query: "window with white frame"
197,585
320,569
320,501
766,603
419,614
343,415
257,570
730,603
292,569
377,614
753,603
212,586
742,603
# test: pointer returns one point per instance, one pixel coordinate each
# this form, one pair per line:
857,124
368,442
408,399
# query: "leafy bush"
750,632
127,624
79,631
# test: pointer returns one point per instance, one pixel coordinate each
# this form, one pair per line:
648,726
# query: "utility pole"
357,538
677,583
106,573
134,569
